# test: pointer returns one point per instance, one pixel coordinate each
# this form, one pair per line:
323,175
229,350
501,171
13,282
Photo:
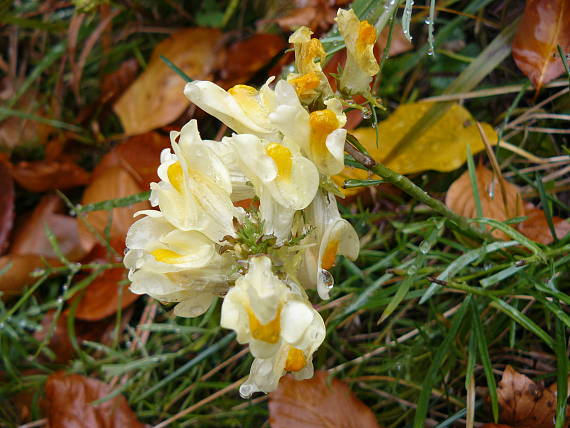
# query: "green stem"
405,184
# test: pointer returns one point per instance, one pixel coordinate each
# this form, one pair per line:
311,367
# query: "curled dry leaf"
318,15
536,226
115,83
245,57
155,98
17,272
525,404
545,25
16,131
139,155
44,175
316,403
110,183
442,147
109,291
6,204
69,400
30,237
495,204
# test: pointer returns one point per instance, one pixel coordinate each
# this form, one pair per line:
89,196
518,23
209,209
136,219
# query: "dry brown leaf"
399,43
115,83
40,176
318,15
6,204
69,400
316,403
544,25
102,296
109,183
16,131
30,237
460,198
536,227
17,272
525,404
140,155
245,57
156,98
496,426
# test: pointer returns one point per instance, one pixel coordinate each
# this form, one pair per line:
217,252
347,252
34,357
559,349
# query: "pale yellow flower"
361,65
242,108
275,318
332,236
195,187
172,265
319,134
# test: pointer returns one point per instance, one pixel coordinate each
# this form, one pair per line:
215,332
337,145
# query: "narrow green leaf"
473,179
517,236
501,275
6,112
351,183
176,69
485,359
546,205
114,203
463,261
523,320
431,375
560,348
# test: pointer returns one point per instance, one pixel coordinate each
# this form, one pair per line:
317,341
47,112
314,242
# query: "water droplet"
430,51
366,113
427,21
326,279
407,18
424,247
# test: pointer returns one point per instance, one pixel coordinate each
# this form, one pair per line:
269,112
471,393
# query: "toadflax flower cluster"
288,141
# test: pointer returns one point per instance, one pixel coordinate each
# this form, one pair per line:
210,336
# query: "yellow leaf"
442,147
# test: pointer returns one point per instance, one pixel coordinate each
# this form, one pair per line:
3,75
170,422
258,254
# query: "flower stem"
405,184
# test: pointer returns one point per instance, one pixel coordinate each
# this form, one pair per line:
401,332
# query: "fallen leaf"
399,43
442,147
544,25
318,15
115,83
140,156
30,237
460,198
496,426
60,342
525,404
245,57
17,272
102,296
17,131
156,98
536,227
44,175
6,204
109,183
317,403
69,400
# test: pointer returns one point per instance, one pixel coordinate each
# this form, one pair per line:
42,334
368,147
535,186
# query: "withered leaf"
318,15
156,98
17,272
525,404
69,400
102,296
495,204
6,204
31,238
110,183
536,227
315,403
40,176
543,27
245,57
115,83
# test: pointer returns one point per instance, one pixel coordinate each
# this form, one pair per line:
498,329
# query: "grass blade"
442,352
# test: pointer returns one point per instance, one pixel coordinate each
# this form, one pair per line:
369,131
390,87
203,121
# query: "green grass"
430,301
